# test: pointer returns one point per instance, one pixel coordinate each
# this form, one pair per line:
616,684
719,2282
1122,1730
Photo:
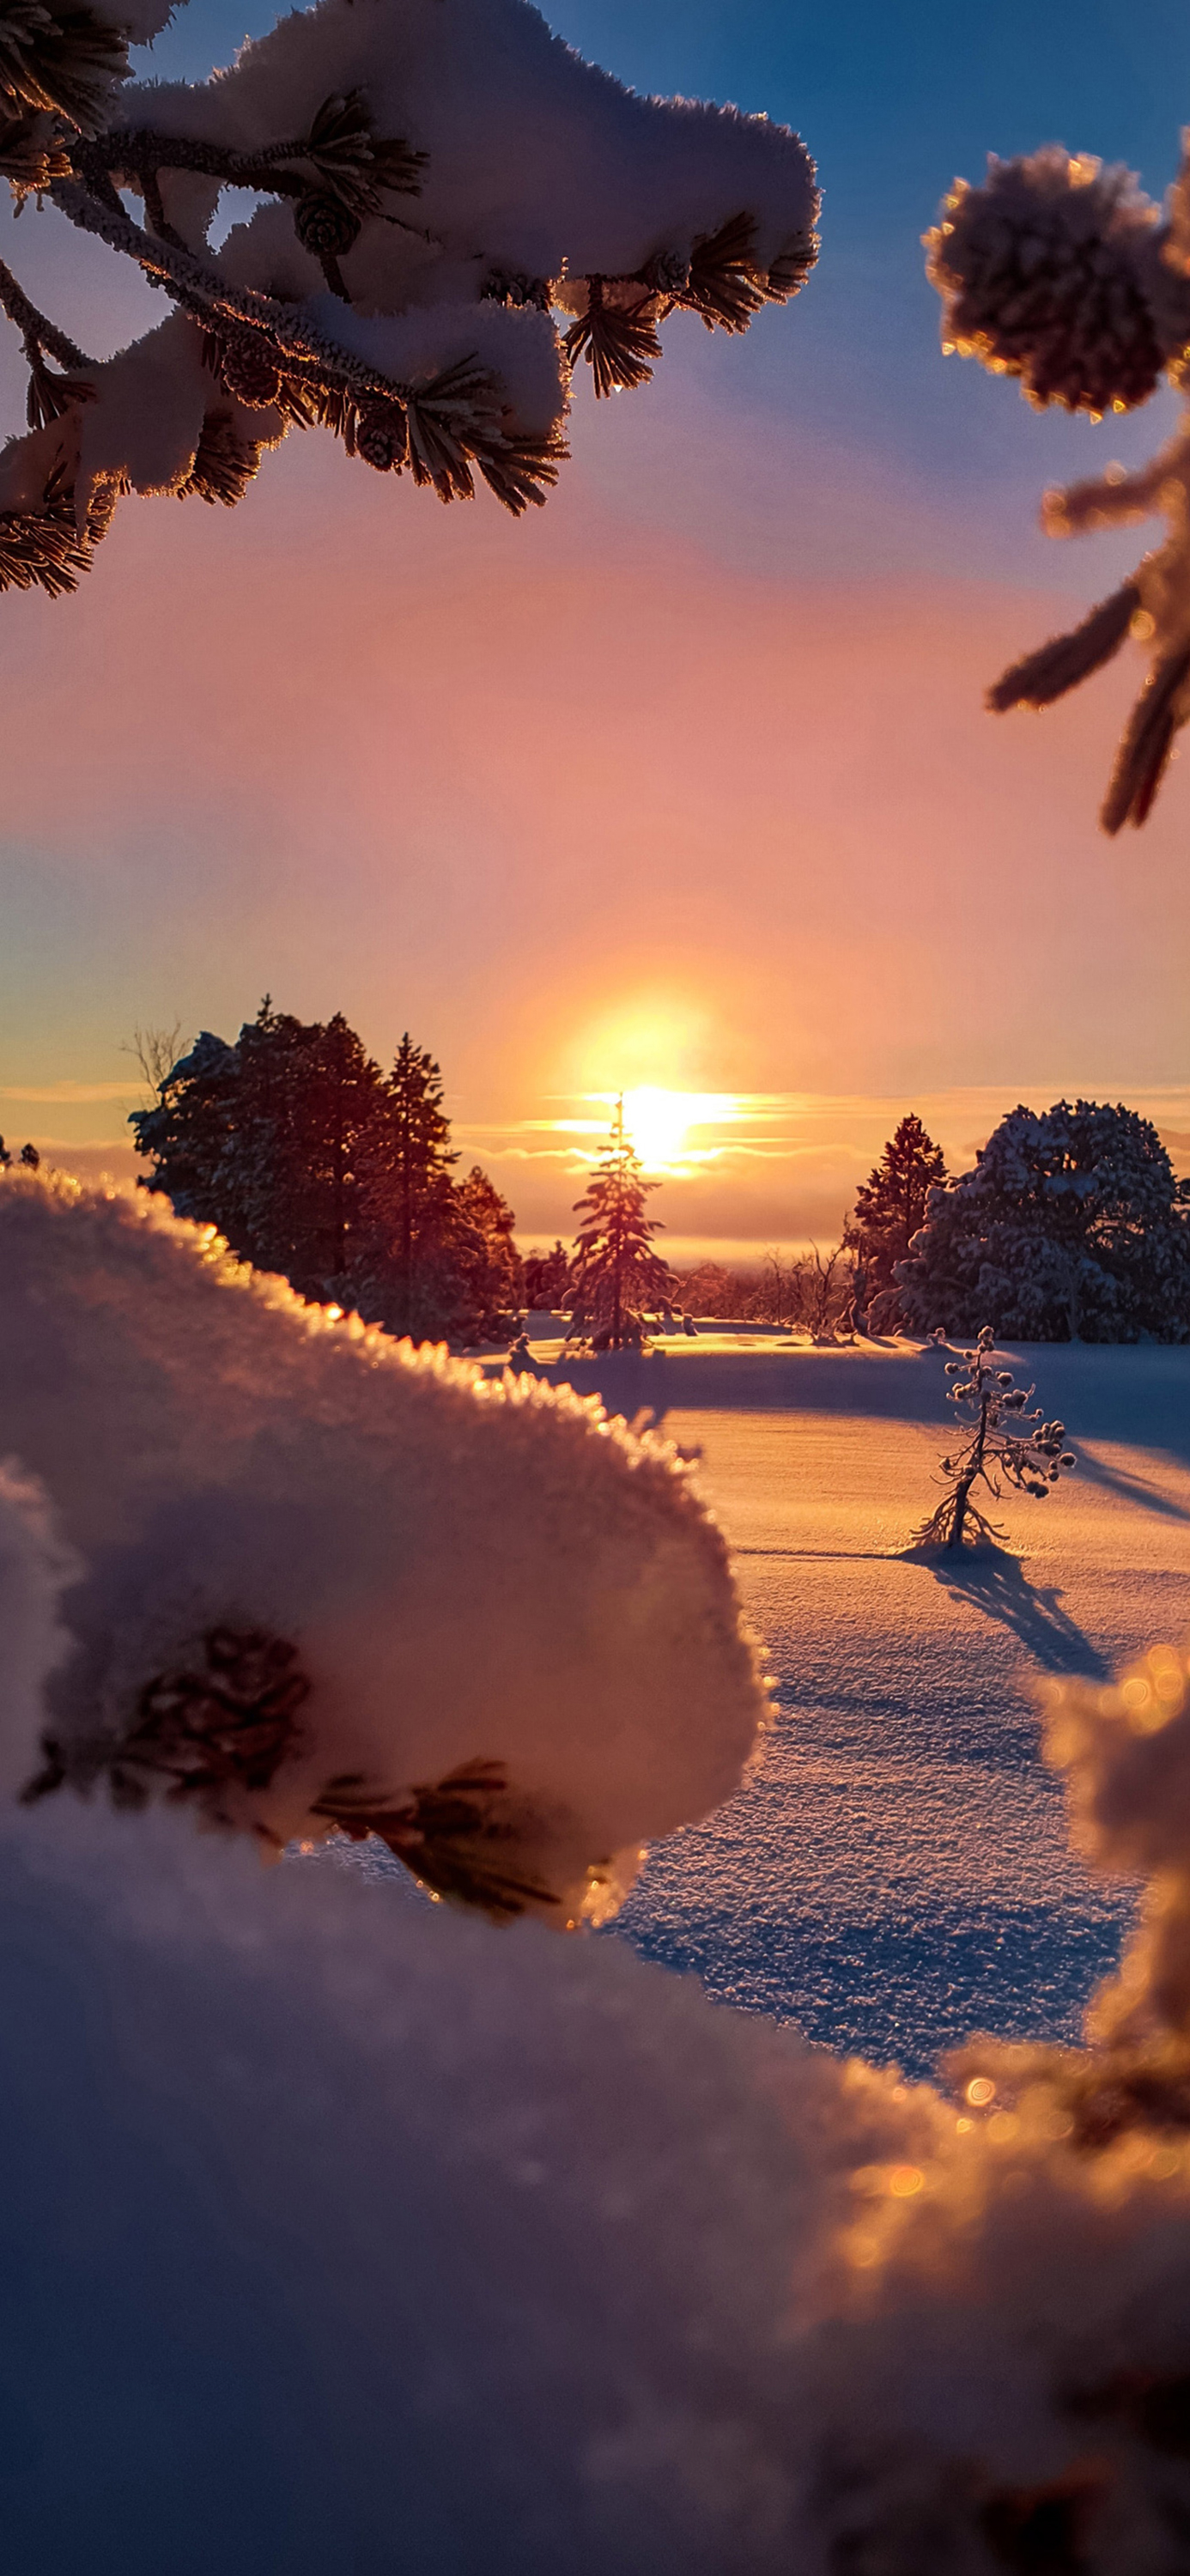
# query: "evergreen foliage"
416,1188
316,1165
484,1257
889,1209
451,208
1064,274
28,1156
1070,1228
615,1273
547,1279
997,1451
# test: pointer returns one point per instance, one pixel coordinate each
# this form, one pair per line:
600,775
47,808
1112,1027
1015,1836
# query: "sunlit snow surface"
897,1872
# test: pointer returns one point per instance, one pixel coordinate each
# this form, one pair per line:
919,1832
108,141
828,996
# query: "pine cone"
324,225
250,372
382,437
1043,273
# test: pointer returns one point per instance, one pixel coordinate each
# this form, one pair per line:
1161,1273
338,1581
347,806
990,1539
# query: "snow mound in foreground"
338,2232
327,1580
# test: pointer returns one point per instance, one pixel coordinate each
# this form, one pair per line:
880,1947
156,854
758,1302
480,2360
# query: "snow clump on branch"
447,185
326,1581
1065,275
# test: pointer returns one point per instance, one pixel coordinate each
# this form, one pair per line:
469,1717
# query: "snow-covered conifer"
998,1451
483,1256
271,1140
547,1278
412,1183
1062,273
889,1209
615,1274
454,211
1070,1227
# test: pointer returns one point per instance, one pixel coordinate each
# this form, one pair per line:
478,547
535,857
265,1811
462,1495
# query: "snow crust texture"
492,1582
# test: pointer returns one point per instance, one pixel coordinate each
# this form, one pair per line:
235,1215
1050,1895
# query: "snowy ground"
897,1872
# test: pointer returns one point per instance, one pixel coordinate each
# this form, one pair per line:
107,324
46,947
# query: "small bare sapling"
1000,1451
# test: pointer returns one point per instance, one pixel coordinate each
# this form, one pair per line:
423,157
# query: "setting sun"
660,1122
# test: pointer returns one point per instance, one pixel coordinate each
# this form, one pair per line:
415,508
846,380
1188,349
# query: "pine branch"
348,159
36,326
1060,665
1144,753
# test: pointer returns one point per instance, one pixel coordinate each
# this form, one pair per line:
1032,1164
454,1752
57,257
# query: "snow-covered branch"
458,210
1064,274
328,1582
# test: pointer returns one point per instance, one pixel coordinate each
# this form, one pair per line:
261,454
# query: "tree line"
315,1163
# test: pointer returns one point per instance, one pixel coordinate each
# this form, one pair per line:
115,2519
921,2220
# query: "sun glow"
661,1123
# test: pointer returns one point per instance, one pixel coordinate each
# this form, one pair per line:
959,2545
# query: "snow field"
897,1869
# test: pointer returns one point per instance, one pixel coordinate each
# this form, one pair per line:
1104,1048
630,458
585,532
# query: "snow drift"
334,2226
327,1580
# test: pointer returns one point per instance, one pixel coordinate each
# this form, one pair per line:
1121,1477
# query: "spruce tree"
614,1270
273,1140
485,1265
891,1207
547,1279
413,1188
1071,1227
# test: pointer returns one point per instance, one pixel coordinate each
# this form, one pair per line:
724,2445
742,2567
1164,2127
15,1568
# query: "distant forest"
316,1163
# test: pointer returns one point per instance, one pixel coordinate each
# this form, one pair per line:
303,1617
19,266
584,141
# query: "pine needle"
224,463
42,549
620,346
1060,665
225,1724
456,1835
1148,740
522,470
791,268
724,284
63,62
